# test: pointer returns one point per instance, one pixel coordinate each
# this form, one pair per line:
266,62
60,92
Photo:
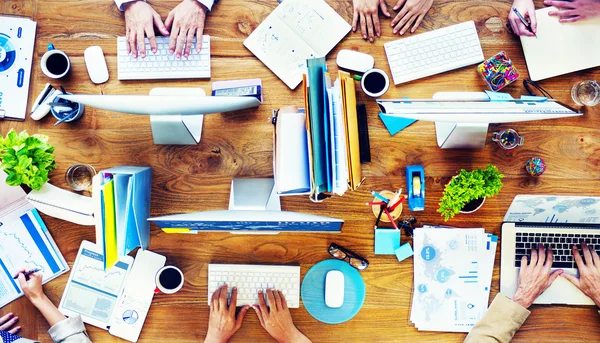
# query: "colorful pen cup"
395,214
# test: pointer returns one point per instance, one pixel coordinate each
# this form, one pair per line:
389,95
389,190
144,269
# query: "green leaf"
26,159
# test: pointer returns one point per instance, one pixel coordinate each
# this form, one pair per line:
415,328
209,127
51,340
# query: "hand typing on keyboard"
535,276
589,272
275,318
186,21
139,20
412,13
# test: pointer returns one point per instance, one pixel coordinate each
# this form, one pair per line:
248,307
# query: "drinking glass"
79,176
586,93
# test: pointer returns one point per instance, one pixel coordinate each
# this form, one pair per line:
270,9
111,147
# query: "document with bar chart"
452,277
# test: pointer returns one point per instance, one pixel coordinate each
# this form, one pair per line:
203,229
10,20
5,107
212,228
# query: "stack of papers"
452,277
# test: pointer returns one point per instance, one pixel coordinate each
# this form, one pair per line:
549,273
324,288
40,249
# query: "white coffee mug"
167,285
50,70
375,82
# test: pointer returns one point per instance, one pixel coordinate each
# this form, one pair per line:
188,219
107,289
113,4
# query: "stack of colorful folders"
121,198
452,277
331,121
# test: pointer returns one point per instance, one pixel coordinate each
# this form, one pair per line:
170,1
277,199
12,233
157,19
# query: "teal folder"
319,123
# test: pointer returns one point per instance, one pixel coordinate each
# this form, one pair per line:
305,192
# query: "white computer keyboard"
163,65
249,278
434,52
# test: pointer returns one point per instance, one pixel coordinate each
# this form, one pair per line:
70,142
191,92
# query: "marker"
379,216
527,25
27,273
380,197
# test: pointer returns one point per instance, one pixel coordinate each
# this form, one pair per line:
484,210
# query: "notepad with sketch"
561,48
295,31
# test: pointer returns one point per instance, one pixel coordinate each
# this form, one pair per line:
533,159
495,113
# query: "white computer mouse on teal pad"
334,289
313,291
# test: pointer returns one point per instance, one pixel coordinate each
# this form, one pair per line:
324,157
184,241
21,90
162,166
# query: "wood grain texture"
196,178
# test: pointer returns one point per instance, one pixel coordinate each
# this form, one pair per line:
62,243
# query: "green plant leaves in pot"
468,186
26,159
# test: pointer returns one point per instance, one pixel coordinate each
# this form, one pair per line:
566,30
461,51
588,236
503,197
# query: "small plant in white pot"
467,191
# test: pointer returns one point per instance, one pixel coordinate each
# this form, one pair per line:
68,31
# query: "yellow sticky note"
176,230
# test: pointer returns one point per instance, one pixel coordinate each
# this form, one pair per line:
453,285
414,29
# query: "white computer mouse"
96,64
334,289
354,60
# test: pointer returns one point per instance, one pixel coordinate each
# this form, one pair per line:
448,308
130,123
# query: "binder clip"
415,184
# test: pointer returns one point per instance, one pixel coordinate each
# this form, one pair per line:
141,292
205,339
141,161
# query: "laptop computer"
555,221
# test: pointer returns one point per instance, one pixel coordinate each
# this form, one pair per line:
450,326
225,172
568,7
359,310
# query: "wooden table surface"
197,178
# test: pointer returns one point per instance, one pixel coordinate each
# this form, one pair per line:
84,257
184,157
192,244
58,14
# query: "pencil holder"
498,71
395,214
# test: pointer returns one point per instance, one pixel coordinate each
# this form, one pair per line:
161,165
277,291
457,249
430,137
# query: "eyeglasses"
535,90
353,259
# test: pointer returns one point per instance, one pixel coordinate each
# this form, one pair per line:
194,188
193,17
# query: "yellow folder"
351,127
111,255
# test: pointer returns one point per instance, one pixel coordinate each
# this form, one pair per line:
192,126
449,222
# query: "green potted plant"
467,191
26,159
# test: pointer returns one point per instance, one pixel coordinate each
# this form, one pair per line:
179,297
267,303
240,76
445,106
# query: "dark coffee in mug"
374,83
57,64
170,278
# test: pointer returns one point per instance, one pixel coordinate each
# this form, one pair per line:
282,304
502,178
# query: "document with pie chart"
17,40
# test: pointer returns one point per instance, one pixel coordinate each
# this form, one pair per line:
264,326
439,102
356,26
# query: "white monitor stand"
177,129
461,135
254,195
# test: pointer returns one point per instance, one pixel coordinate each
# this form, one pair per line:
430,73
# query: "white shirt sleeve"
208,3
120,3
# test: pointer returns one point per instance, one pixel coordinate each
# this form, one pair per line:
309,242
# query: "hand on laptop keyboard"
535,276
589,272
561,244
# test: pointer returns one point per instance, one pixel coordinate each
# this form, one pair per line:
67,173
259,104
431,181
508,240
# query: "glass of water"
586,93
79,177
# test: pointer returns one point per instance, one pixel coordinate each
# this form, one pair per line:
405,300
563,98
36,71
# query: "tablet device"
92,292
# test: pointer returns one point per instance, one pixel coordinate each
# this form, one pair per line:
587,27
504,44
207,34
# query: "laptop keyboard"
561,244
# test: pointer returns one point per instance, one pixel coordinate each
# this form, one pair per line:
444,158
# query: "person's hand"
186,21
412,13
7,323
276,318
575,10
367,13
527,10
535,277
139,20
31,285
589,272
223,323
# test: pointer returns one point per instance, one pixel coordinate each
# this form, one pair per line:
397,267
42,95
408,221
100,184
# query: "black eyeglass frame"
350,255
527,83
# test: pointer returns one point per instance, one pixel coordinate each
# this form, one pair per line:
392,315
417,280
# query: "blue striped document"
25,243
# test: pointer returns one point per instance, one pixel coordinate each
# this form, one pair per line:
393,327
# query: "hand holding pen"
521,10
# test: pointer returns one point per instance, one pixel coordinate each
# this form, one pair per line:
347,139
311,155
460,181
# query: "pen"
379,216
373,203
527,25
387,213
397,203
380,197
27,273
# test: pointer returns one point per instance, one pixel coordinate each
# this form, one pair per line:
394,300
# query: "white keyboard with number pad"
434,52
163,65
249,278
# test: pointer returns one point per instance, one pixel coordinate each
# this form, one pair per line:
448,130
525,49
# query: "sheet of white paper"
561,48
291,156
